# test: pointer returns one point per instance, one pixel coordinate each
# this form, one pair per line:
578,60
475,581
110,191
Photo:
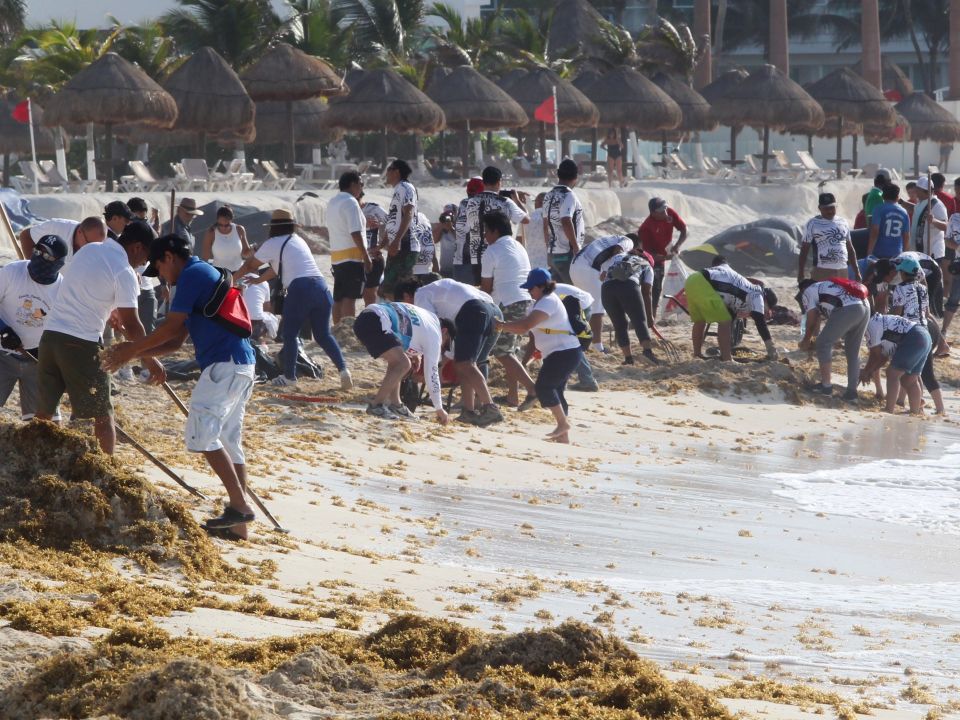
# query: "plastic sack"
674,279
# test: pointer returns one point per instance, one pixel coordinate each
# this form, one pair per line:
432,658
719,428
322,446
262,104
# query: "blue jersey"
893,222
403,319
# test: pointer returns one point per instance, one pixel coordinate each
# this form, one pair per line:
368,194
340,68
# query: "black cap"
137,204
491,175
115,208
52,245
826,200
567,170
162,245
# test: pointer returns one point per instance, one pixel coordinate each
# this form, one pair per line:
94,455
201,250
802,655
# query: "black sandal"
229,518
223,534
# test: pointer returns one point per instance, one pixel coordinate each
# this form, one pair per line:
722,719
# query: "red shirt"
656,235
860,222
948,202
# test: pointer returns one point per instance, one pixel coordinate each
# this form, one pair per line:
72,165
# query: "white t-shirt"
100,279
462,256
418,330
255,296
483,204
344,217
936,247
424,232
534,240
827,296
560,203
554,333
914,298
506,262
25,304
888,332
444,298
735,290
404,194
584,298
378,216
599,253
829,239
64,229
298,261
953,229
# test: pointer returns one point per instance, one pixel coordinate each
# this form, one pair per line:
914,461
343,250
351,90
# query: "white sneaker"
403,412
346,381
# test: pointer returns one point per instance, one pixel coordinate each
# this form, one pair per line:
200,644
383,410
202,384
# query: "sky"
93,13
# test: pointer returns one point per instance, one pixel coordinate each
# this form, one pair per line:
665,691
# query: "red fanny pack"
852,287
227,308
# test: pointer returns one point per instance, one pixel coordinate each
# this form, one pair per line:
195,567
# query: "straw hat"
278,217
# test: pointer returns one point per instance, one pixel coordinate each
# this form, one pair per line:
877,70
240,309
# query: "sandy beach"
789,554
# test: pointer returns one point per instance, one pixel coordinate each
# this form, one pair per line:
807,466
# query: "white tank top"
227,249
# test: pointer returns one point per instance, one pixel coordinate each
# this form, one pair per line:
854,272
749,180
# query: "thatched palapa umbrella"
720,88
694,108
309,122
15,136
892,77
471,102
882,135
383,101
574,29
584,81
928,121
845,95
210,99
286,74
108,91
767,98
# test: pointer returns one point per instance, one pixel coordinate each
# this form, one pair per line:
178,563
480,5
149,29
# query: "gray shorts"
509,343
13,371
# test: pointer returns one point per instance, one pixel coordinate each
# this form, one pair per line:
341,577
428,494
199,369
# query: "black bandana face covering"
43,271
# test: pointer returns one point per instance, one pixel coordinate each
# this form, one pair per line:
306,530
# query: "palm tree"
387,32
239,30
148,46
12,16
52,55
523,37
746,23
870,43
954,50
472,42
778,47
313,28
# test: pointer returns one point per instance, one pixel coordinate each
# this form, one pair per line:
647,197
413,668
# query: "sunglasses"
45,254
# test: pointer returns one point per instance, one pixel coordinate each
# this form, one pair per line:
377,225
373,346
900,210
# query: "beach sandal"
223,533
229,518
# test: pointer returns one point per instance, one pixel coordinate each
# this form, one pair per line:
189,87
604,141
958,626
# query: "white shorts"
588,280
217,407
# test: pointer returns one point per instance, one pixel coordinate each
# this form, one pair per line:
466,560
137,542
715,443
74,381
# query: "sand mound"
57,490
541,652
411,641
320,678
737,378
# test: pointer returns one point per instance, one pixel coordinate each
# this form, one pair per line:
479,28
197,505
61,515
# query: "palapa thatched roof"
286,73
210,97
309,122
883,134
384,100
467,96
574,27
507,80
844,93
693,106
136,134
767,98
573,107
15,136
928,120
892,77
111,90
720,88
625,98
586,79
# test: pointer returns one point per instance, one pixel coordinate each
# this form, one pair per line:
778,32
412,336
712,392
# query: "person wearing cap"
180,223
490,200
376,226
349,257
929,223
910,299
465,270
445,238
101,281
28,291
906,345
307,298
829,236
558,345
563,220
404,336
117,216
875,196
846,317
472,313
503,272
75,234
215,420
401,241
889,227
656,236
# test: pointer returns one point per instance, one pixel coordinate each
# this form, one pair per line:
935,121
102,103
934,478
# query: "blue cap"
537,276
908,265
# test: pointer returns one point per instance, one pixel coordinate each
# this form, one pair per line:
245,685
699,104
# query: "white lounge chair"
273,179
814,171
43,184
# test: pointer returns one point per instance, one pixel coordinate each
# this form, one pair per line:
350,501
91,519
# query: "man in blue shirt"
215,422
889,228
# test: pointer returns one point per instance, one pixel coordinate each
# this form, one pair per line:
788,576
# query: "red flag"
546,111
21,113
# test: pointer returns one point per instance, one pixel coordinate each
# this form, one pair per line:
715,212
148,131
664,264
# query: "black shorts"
474,323
348,281
369,330
375,276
